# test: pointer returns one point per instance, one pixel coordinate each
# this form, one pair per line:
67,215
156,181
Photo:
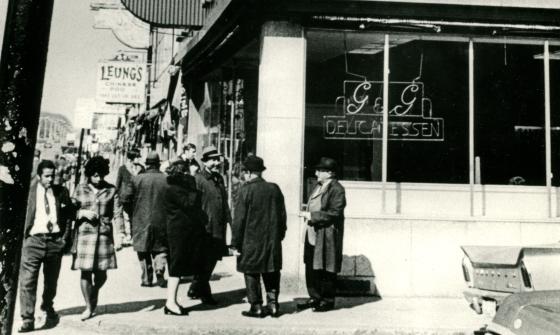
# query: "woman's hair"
97,164
177,168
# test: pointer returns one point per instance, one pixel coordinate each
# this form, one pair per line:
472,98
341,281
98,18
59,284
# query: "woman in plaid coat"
99,209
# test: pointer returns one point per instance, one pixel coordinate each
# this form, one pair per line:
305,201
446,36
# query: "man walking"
46,236
323,241
258,228
124,177
145,198
216,215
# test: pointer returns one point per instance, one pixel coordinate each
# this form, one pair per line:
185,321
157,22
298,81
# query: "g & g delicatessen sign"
361,117
121,82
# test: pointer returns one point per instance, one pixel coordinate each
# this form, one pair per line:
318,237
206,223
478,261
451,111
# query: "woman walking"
185,230
93,251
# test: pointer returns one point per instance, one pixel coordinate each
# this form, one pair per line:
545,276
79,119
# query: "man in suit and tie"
46,236
323,241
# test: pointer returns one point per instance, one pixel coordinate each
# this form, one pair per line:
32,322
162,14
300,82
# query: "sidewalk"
127,308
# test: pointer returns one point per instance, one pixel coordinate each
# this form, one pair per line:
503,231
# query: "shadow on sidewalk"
224,299
125,307
214,277
290,307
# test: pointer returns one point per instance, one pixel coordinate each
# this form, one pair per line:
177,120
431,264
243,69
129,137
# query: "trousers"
39,250
271,282
150,262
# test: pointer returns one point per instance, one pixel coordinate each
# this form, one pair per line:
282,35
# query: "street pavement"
127,308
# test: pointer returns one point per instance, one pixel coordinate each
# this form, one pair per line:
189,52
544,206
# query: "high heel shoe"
87,314
167,311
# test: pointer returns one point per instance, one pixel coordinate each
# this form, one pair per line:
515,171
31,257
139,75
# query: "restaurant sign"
121,82
410,113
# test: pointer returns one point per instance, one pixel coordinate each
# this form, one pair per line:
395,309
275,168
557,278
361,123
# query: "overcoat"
145,195
259,226
329,226
93,247
186,232
215,209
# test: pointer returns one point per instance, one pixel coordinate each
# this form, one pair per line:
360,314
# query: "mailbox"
494,272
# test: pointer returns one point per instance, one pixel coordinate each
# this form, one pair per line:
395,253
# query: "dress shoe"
146,284
324,307
255,311
274,309
161,283
209,301
308,304
26,327
167,311
192,294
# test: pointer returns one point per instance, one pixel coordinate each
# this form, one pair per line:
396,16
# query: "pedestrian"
323,240
145,198
124,177
259,226
46,237
216,216
185,230
99,214
188,155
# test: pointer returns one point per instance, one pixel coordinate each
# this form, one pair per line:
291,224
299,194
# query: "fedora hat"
254,164
210,152
326,163
152,158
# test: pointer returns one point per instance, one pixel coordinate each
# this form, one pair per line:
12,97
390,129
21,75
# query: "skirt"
94,250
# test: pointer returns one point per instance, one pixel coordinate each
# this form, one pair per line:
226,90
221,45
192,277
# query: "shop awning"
168,13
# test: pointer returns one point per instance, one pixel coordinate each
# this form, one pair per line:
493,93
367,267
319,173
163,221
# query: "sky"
75,47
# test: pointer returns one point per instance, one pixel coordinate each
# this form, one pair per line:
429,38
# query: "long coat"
259,226
215,209
93,247
145,195
186,232
329,226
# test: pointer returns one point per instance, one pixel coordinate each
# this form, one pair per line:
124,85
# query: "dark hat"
210,152
153,158
254,164
326,163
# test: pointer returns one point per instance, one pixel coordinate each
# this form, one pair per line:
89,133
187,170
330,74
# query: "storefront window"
555,113
428,106
509,113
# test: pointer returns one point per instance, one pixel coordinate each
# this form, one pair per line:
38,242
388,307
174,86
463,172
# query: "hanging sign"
361,117
121,82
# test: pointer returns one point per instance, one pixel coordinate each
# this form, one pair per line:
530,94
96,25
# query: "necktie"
48,211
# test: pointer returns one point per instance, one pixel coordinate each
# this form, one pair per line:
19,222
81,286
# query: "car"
527,313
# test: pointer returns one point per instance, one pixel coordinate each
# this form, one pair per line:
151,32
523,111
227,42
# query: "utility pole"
22,71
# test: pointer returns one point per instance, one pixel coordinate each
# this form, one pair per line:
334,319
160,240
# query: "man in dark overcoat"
323,240
259,226
46,236
145,197
216,215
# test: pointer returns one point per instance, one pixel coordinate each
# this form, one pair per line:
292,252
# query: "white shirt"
41,217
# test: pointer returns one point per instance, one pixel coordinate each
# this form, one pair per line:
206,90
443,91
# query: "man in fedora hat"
258,228
144,195
323,241
216,214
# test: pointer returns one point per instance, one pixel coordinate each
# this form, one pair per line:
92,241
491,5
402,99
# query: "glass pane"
337,64
509,113
428,118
